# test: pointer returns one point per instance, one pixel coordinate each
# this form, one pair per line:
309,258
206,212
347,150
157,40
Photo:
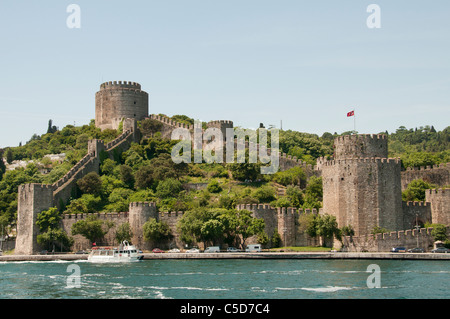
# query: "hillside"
146,172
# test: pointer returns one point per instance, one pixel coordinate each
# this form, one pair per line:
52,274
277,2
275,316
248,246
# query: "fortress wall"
438,175
169,125
440,205
385,242
171,218
390,194
413,212
63,193
81,243
282,220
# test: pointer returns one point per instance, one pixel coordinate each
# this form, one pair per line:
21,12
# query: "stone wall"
385,242
81,243
283,220
438,175
139,213
416,213
440,205
34,198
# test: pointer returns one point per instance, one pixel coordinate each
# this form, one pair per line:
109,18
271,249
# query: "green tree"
92,228
90,184
144,177
265,194
168,188
327,228
214,187
293,176
276,239
439,232
212,231
156,231
48,219
55,239
415,190
124,232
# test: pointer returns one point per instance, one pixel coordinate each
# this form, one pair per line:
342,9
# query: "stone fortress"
361,186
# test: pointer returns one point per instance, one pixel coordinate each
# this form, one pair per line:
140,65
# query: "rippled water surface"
215,279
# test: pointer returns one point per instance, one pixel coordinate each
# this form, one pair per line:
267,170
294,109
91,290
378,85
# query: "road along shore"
246,255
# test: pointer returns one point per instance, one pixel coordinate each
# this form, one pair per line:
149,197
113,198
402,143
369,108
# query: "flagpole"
354,121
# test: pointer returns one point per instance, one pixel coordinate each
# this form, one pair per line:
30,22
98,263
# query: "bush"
168,188
265,194
214,187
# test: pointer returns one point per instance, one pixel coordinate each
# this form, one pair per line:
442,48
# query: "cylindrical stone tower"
119,100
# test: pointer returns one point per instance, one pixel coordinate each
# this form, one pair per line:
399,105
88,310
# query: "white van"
253,248
212,249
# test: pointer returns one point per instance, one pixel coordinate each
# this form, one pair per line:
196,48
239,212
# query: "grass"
305,248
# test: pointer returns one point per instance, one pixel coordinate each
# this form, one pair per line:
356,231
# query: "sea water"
230,279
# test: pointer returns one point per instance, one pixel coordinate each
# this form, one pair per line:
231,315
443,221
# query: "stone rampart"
440,205
80,242
385,242
283,220
438,175
416,213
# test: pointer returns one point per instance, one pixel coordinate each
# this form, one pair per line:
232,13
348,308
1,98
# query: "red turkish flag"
352,113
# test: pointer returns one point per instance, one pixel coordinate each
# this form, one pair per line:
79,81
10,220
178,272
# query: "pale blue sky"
306,63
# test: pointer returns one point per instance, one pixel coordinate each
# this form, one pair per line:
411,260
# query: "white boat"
124,253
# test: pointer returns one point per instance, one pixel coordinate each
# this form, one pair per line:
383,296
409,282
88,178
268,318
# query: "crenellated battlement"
385,241
276,210
429,167
170,122
417,204
220,122
437,191
107,216
359,137
143,204
33,186
120,84
378,160
363,145
118,140
164,215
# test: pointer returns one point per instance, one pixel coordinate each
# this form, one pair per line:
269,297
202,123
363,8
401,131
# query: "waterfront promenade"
245,255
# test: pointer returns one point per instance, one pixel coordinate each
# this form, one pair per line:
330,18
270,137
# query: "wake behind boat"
124,253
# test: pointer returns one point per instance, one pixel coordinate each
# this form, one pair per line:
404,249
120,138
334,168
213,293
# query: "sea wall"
385,242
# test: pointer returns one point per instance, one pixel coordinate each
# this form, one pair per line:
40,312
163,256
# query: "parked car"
398,250
81,252
174,250
212,249
43,252
416,250
233,250
253,248
193,251
441,250
157,250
